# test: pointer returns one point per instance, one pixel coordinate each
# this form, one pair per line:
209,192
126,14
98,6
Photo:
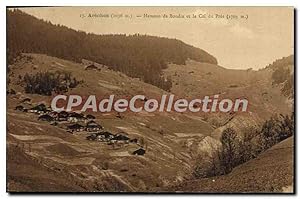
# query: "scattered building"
46,117
92,126
75,117
122,138
133,140
62,116
41,108
75,128
101,136
53,114
140,151
65,119
92,137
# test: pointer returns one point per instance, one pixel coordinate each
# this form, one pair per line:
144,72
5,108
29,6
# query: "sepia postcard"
150,100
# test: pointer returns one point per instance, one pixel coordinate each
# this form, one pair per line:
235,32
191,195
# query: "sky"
262,36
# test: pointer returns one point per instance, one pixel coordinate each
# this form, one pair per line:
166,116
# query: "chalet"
75,117
133,140
91,67
90,117
75,128
102,136
122,138
106,135
53,114
19,108
92,126
41,108
62,116
92,137
140,151
46,117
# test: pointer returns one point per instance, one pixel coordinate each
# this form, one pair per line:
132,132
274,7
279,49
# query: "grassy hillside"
173,140
53,159
272,171
199,79
96,166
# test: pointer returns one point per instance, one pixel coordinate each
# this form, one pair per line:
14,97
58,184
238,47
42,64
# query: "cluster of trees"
236,150
285,61
275,130
136,55
280,75
283,75
46,83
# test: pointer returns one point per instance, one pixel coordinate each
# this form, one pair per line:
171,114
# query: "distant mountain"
136,55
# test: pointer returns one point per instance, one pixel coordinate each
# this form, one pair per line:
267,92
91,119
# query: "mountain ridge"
136,55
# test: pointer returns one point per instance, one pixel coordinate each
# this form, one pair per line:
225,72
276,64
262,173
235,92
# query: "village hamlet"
146,100
78,123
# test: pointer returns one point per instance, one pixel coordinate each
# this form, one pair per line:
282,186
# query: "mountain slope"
173,140
92,165
199,79
271,171
135,55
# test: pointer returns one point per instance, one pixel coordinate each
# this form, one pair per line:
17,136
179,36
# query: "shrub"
275,130
45,83
237,150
